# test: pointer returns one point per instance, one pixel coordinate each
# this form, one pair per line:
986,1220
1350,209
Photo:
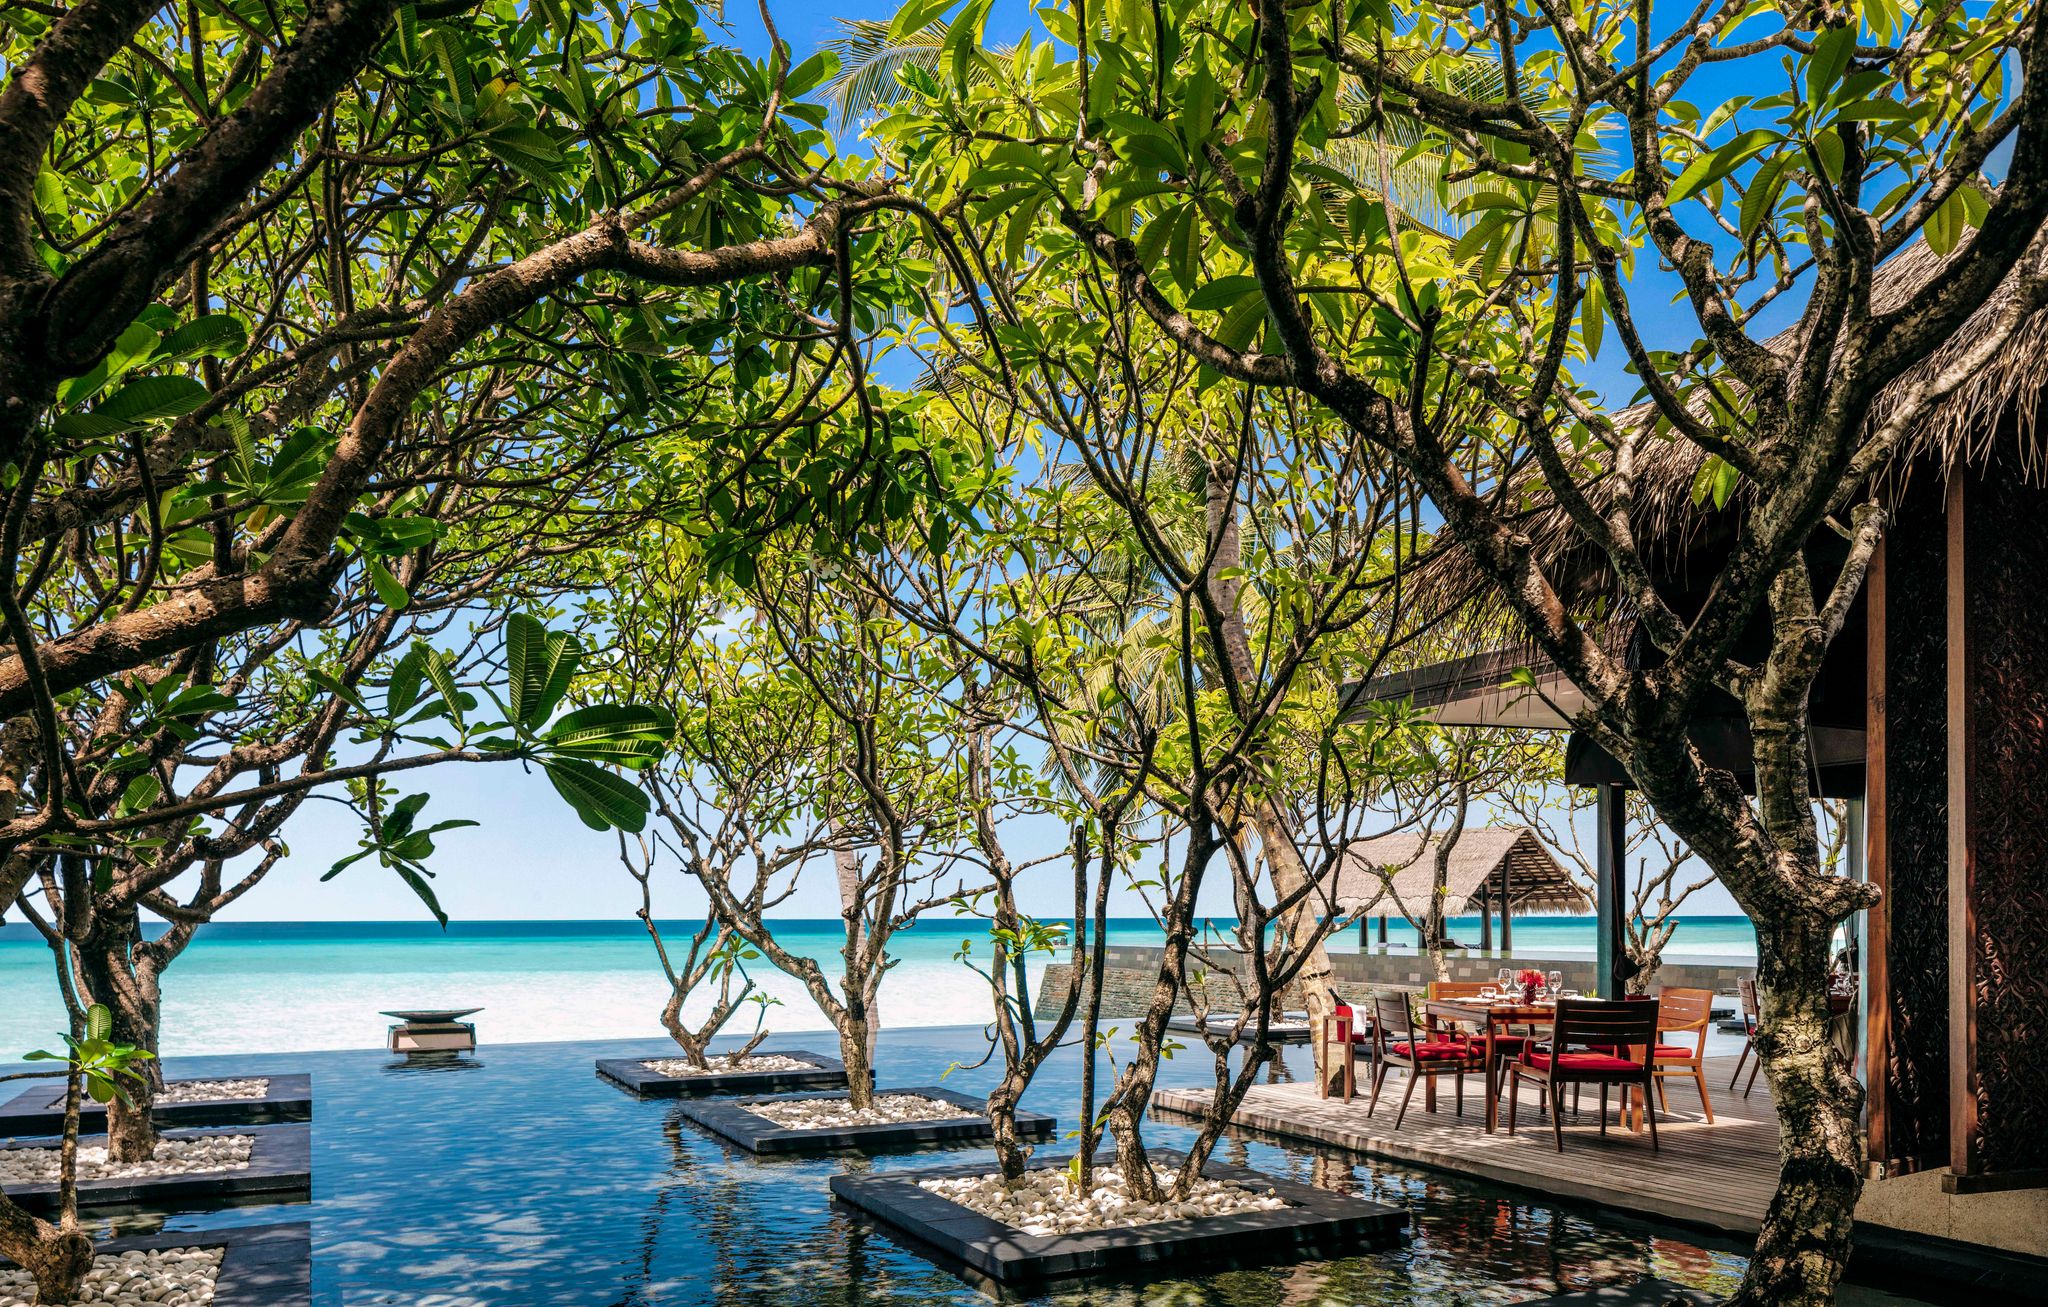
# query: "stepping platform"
1641,1293
40,1110
1316,1223
729,1119
1280,1032
633,1075
280,1161
261,1265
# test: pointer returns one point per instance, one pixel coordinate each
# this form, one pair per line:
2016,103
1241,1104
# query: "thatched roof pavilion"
1495,867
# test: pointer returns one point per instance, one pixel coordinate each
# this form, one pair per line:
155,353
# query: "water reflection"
527,1180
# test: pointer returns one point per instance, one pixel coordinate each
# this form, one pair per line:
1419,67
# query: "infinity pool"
524,1179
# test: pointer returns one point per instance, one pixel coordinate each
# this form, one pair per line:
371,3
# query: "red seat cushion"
1663,1050
1581,1062
1435,1050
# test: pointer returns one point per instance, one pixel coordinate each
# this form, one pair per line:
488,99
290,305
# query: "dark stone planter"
261,1265
1642,1293
280,1161
729,1119
40,1110
1317,1223
632,1075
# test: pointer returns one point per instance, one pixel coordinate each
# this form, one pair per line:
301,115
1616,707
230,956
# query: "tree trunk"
856,1049
1804,1242
55,1259
131,1122
1290,875
112,975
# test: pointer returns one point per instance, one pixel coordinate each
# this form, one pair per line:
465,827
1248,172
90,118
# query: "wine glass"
1556,979
1505,978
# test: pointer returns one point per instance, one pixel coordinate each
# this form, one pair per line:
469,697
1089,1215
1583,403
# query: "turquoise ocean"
248,987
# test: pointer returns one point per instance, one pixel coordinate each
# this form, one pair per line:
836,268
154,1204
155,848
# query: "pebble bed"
836,1114
721,1065
1044,1202
211,1091
167,1277
173,1157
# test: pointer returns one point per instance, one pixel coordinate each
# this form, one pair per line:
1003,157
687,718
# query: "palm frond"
870,59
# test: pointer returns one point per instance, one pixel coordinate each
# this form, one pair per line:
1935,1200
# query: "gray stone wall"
1131,971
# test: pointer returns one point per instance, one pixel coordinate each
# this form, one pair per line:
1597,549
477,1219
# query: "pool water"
522,1178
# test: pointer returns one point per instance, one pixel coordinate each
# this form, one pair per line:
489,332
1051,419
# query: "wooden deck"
1718,1175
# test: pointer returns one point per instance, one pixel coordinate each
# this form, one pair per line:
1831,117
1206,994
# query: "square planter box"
633,1075
280,1161
261,1265
40,1110
730,1119
1641,1293
1316,1223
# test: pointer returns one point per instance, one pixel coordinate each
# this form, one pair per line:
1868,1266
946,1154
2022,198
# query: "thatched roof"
1394,873
2001,402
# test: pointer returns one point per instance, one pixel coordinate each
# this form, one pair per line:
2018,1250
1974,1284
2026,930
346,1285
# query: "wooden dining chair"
1581,1051
1425,1052
1752,1012
1457,989
1341,1035
1683,1012
1507,1044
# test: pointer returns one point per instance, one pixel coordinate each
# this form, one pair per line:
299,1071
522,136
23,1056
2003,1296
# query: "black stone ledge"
1316,1224
1280,1032
260,1266
729,1119
632,1075
40,1111
1944,1270
280,1161
1639,1293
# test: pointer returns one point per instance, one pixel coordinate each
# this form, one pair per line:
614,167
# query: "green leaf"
602,800
445,45
1224,292
1831,51
1712,167
1761,199
419,886
389,592
528,151
144,400
539,664
99,1023
914,17
216,335
436,665
812,73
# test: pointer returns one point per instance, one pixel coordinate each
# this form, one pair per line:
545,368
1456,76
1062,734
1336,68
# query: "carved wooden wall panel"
2002,926
1909,836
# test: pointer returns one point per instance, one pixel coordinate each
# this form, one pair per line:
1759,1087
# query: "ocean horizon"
303,986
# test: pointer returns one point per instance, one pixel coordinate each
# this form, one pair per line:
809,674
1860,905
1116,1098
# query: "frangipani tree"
1178,163
292,299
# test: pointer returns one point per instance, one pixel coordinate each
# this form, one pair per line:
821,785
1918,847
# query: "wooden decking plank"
1719,1175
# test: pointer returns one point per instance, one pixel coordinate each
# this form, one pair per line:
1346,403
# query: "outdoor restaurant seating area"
1514,1032
1472,1078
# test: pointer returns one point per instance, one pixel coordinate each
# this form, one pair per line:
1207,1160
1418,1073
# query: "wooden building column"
1997,829
1611,865
1905,831
1486,916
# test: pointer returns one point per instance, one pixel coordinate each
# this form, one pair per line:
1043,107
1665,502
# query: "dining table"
1493,1018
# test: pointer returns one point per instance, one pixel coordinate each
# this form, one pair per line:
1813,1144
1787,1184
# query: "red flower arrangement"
1530,980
